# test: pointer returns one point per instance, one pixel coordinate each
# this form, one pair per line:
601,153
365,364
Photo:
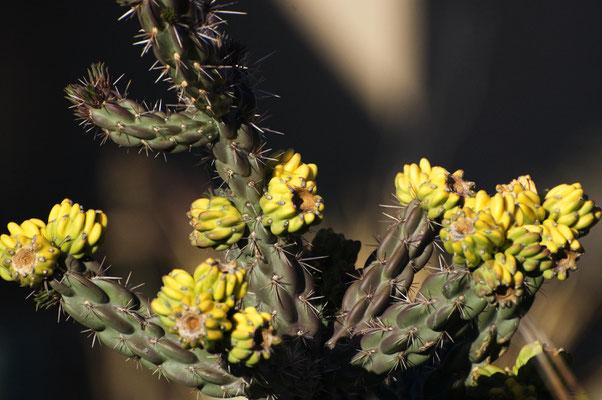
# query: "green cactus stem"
130,124
123,321
389,272
199,60
409,333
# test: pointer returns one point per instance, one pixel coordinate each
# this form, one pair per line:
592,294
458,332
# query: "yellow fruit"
470,236
435,188
75,231
217,223
252,338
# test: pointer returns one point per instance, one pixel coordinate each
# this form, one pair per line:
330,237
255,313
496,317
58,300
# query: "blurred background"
498,89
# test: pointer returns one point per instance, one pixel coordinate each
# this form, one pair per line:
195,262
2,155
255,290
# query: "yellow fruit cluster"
509,209
480,230
290,169
567,205
202,310
435,188
527,247
75,231
472,237
216,222
290,203
252,338
225,281
499,280
26,255
195,317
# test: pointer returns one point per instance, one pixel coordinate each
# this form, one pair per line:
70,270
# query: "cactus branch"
389,272
122,320
129,124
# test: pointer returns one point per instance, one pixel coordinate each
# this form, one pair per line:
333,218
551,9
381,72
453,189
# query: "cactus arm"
130,124
198,59
208,70
390,270
410,332
122,320
497,326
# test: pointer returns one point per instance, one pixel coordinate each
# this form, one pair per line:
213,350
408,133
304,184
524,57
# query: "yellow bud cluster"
290,203
75,231
499,280
435,188
541,237
25,255
252,338
216,222
198,307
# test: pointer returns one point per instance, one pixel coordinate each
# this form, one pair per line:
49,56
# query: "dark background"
512,88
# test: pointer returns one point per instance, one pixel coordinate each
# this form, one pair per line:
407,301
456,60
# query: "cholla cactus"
275,317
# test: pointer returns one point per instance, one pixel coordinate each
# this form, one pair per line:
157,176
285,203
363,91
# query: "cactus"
278,316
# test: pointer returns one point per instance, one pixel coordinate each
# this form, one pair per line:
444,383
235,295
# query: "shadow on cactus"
278,316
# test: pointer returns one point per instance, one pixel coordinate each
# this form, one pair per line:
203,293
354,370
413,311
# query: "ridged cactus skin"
124,322
277,314
130,124
389,273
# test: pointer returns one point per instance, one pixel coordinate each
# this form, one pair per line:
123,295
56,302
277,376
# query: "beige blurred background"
364,89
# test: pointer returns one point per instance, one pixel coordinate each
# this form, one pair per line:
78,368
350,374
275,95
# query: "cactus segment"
290,204
409,333
199,60
567,205
25,255
389,272
75,231
435,188
130,124
472,237
123,322
216,222
252,338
